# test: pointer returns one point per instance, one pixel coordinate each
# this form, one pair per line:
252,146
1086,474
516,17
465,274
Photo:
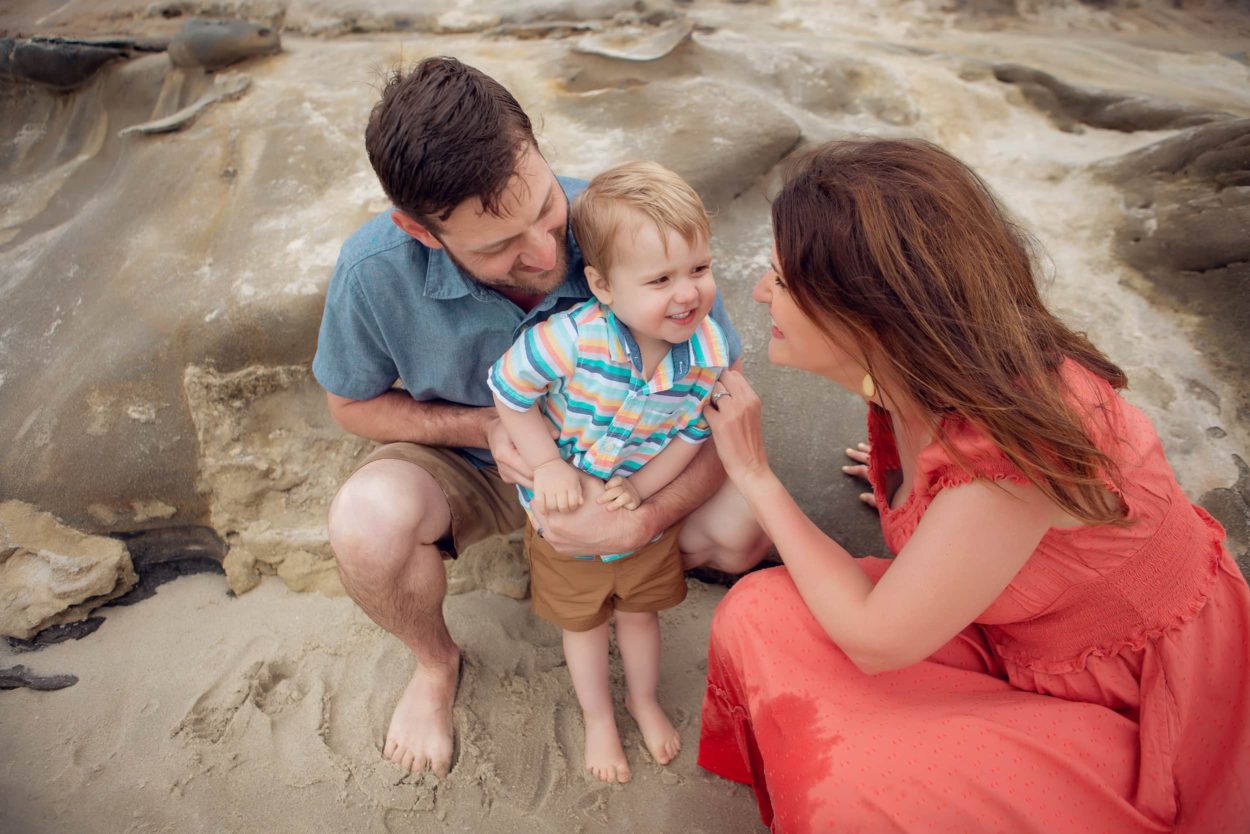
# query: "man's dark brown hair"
443,133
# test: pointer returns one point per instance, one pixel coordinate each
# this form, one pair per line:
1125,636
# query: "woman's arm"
972,541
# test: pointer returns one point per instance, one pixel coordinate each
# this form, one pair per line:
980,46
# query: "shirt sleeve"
721,317
545,353
352,360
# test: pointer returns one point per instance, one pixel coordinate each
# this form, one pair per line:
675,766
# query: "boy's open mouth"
682,318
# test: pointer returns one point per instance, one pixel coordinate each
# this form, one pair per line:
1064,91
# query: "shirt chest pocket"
660,415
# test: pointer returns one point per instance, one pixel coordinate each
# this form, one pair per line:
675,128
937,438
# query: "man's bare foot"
605,757
661,737
420,733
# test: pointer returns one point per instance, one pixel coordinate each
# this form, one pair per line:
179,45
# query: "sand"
199,711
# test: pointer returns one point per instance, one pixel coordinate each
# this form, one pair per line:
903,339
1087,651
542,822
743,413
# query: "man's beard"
534,283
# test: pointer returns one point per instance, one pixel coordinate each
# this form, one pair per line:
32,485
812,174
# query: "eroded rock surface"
1186,227
52,574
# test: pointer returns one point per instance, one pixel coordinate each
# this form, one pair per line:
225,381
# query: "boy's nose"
686,293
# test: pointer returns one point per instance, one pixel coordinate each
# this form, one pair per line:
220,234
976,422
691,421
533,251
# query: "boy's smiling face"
659,284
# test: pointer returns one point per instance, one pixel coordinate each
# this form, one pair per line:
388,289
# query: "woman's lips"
777,334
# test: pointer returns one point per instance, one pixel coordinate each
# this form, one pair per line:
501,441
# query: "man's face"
523,247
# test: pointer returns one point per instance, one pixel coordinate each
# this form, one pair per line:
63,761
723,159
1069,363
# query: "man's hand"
591,530
620,492
557,487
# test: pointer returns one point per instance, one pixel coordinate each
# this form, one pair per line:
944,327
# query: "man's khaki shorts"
580,594
482,504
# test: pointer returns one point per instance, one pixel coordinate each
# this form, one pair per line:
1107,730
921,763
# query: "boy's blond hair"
647,188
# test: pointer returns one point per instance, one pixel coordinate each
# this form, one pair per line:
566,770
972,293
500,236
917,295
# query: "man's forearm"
687,492
394,416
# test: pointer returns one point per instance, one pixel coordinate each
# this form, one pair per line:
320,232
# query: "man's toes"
441,767
388,751
623,774
405,761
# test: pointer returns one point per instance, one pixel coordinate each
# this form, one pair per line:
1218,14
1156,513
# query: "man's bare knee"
382,515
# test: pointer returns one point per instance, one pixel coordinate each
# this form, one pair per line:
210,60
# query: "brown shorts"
482,504
580,594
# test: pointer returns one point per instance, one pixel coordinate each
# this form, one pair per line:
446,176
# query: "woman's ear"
599,285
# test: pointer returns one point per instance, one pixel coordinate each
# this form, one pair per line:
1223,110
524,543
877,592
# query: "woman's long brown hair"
904,246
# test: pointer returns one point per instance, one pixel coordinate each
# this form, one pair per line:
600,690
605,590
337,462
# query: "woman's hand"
735,413
860,470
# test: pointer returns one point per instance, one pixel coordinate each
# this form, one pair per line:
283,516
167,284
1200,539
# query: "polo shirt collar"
706,348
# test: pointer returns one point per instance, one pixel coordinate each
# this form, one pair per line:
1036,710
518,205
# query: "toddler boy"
620,376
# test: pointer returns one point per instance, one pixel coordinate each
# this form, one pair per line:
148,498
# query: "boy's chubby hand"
619,492
590,529
557,486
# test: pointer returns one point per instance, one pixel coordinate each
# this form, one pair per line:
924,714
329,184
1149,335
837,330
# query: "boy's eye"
702,268
663,279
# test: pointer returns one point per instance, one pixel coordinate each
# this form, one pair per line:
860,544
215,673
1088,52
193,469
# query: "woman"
1061,644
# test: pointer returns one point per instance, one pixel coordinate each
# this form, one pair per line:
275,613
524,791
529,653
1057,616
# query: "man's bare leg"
383,526
723,534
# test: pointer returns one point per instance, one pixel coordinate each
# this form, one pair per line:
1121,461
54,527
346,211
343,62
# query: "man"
424,299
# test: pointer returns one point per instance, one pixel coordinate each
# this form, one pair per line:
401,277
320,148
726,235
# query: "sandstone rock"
272,460
225,271
695,127
216,43
52,574
637,43
1069,106
1187,229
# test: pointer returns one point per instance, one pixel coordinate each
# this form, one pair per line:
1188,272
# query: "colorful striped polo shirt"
584,369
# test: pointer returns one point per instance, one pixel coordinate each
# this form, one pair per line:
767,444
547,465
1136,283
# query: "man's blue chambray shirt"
396,310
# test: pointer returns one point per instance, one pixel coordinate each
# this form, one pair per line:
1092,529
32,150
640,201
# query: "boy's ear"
599,285
423,235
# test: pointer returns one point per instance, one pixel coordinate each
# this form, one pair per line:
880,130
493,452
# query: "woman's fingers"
859,471
869,499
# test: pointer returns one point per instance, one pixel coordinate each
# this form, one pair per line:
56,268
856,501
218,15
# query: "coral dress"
1106,690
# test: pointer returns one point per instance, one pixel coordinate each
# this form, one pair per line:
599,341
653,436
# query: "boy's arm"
594,529
529,433
662,469
557,484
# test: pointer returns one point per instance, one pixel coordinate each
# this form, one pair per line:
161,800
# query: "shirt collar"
706,348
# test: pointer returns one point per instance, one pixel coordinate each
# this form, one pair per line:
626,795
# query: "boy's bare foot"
661,737
605,757
420,733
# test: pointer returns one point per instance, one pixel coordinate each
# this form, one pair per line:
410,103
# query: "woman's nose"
762,291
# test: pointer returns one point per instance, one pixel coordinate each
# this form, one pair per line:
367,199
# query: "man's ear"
599,285
423,235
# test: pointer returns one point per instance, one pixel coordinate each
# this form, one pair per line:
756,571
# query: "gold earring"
868,387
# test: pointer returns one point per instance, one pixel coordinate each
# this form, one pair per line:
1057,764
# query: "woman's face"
799,342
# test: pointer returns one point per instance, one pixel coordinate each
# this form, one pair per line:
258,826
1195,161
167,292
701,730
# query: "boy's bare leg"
723,534
383,526
638,638
587,655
